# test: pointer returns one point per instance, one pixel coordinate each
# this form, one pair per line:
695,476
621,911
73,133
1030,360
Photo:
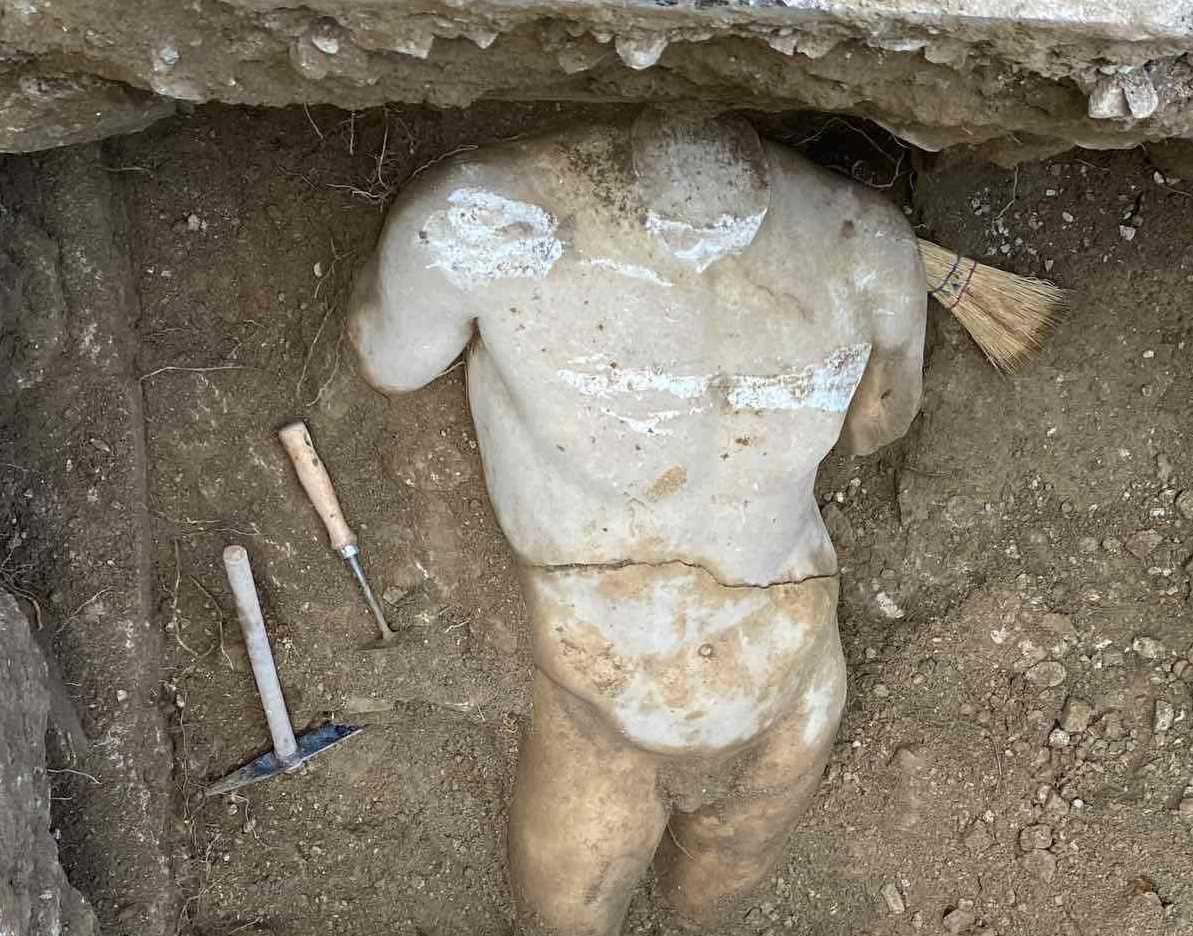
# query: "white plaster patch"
700,247
650,425
631,380
821,704
828,386
629,269
862,278
89,345
886,604
484,236
841,298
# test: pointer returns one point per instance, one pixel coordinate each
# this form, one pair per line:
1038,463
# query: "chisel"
317,483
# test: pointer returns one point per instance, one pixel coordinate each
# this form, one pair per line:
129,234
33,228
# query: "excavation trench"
183,289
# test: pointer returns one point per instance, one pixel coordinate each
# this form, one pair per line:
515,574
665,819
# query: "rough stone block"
35,897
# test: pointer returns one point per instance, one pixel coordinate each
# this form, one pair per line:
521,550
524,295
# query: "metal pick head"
268,765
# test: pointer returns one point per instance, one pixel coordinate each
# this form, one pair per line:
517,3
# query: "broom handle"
955,282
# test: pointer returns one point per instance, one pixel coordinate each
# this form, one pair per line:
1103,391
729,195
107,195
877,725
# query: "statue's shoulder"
828,204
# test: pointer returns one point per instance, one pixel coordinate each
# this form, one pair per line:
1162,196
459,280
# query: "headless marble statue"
670,324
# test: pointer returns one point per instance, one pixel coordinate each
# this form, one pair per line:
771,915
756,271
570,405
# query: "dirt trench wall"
1027,77
35,896
76,528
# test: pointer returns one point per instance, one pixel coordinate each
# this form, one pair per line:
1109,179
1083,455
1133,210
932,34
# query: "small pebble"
1163,717
1056,805
958,921
1030,655
1066,217
1035,836
1046,675
1076,715
1059,738
1143,543
1184,504
327,44
393,594
977,839
894,900
1040,863
909,759
1112,726
1113,546
121,695
1185,809
1148,647
1126,232
1148,905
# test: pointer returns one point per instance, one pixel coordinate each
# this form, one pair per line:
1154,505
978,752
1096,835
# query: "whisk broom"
1007,315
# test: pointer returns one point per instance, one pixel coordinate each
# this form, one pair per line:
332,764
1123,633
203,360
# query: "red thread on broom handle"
965,285
948,276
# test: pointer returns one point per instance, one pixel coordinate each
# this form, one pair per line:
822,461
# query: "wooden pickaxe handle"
256,642
317,483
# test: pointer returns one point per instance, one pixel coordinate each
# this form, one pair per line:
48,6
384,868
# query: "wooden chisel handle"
317,483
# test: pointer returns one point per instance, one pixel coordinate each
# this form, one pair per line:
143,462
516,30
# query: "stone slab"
35,896
940,73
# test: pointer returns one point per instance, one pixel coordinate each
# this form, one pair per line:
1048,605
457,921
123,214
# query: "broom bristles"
1007,315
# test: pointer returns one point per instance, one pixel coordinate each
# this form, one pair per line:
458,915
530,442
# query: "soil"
1021,559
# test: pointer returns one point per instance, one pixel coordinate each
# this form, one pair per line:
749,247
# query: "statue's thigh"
726,847
585,819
